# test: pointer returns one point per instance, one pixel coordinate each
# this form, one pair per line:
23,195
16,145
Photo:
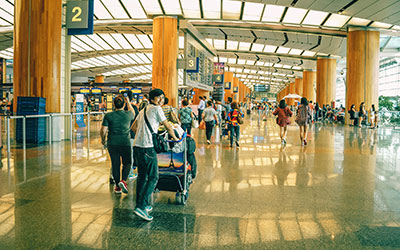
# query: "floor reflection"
339,192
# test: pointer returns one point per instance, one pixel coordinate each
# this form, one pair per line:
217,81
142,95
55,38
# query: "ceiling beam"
77,56
220,24
103,69
263,68
254,53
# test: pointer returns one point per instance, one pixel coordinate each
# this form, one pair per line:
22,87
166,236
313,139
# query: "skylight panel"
272,13
215,59
103,59
358,21
191,8
150,56
308,53
252,11
244,46
181,41
287,66
108,38
223,59
100,11
253,71
295,51
77,47
269,48
232,45
134,8
120,59
239,70
100,41
143,57
145,40
219,44
259,63
116,9
122,41
210,41
381,25
110,58
212,9
282,50
315,17
152,7
294,15
171,7
250,62
232,60
278,65
136,58
336,20
7,7
4,23
231,9
134,41
257,47
297,68
90,42
246,71
241,61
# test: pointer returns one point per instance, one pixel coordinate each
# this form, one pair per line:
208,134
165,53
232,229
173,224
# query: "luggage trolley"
175,172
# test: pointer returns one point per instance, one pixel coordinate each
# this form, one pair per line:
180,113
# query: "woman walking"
303,118
186,117
233,117
283,113
374,117
362,114
209,116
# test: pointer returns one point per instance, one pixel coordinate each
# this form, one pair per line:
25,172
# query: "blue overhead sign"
80,17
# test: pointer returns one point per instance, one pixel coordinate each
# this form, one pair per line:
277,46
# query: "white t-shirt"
155,116
202,105
209,114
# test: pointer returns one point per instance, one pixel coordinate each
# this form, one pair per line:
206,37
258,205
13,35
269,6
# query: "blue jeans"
147,175
187,127
235,130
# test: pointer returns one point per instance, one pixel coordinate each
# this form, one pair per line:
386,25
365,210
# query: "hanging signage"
192,64
96,91
227,85
80,17
80,121
218,74
120,90
235,89
136,91
84,91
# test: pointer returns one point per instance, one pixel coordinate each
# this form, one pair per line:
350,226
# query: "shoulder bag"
240,118
159,143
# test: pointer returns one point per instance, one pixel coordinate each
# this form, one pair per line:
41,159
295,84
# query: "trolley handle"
180,140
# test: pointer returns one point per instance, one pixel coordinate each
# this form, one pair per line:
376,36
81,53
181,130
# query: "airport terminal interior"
65,64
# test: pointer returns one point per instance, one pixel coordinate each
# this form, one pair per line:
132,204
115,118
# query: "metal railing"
49,128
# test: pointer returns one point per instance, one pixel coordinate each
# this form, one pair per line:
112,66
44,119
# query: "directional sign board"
80,17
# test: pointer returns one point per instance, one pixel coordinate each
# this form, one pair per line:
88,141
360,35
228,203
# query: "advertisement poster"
80,121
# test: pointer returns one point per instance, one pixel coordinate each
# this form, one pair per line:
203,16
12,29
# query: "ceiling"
262,41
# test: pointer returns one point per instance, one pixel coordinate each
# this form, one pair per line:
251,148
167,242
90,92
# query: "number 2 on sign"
78,11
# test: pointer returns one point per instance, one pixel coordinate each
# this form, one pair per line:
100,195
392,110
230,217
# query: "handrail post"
50,128
71,124
24,133
88,129
8,143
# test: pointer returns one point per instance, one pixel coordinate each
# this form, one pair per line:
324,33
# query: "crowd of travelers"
128,132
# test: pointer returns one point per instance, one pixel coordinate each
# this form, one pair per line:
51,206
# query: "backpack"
239,117
302,114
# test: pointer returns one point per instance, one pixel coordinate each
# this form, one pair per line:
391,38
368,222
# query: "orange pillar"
362,68
241,91
235,88
197,94
299,86
326,81
309,78
228,80
165,53
99,79
291,88
37,51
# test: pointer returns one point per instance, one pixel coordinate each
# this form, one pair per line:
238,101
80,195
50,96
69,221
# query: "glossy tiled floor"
339,192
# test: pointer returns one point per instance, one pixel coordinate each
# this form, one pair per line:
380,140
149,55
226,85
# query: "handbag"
240,118
195,123
202,125
159,143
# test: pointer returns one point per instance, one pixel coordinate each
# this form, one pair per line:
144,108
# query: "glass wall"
389,77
